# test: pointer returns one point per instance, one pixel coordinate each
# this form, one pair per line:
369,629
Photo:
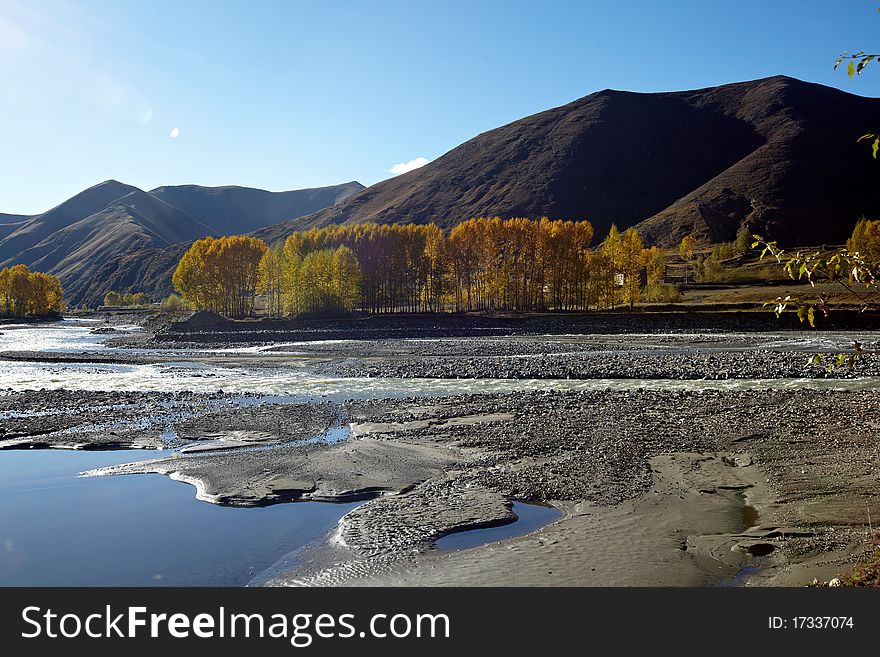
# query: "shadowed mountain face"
11,222
146,270
777,155
235,210
115,236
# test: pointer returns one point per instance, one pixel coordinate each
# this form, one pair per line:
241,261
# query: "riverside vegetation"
482,264
26,293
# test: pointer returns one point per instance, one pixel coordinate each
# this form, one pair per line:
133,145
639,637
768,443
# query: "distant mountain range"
776,155
115,236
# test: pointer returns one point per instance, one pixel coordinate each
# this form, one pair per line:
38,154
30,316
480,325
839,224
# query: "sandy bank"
666,488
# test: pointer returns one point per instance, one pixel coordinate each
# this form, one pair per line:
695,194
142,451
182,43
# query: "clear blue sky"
303,93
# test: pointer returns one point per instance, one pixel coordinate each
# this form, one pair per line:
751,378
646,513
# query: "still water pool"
57,529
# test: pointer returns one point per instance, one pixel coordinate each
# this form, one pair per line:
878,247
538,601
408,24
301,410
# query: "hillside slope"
230,210
777,155
30,233
225,211
115,236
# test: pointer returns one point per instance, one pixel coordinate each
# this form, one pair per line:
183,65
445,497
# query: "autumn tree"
743,240
865,241
345,279
26,293
686,247
630,264
117,299
221,274
271,280
112,299
611,248
195,280
655,265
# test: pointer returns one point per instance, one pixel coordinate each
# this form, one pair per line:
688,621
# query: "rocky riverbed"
437,466
656,486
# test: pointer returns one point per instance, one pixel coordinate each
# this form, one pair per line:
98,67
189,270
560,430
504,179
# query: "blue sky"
293,94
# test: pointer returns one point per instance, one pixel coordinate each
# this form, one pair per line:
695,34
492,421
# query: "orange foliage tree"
221,274
26,293
487,263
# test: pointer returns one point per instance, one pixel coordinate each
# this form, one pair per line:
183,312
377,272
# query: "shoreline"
695,498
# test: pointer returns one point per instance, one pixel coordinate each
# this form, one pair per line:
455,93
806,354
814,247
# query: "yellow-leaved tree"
221,274
26,293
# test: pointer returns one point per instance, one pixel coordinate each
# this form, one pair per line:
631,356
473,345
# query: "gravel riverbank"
656,484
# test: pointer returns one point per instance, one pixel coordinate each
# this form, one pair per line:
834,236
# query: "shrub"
661,293
743,240
174,303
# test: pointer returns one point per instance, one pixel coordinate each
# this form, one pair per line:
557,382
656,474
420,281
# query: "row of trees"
297,281
29,293
483,264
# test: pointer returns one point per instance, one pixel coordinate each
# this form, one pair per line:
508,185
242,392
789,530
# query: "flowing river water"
57,528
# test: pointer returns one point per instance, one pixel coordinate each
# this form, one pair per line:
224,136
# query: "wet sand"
650,495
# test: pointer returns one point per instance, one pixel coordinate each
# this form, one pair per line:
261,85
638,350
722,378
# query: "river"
57,528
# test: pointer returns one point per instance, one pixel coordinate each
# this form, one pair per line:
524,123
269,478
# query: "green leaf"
811,316
876,147
802,313
870,135
851,69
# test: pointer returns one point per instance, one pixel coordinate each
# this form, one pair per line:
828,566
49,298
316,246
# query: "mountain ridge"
87,238
775,155
762,153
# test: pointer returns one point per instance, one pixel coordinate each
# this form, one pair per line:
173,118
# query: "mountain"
76,252
37,228
146,270
11,222
234,210
777,155
115,236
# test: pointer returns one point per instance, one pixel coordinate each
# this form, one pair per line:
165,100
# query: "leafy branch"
855,64
845,268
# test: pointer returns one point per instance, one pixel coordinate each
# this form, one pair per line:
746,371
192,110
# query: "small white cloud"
403,167
175,133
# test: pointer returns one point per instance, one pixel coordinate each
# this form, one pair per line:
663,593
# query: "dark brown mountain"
130,223
778,155
147,270
37,228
